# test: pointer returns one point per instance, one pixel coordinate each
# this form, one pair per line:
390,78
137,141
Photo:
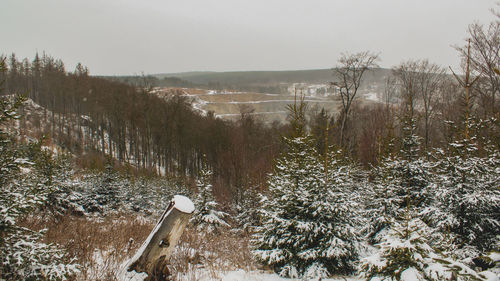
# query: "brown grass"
215,253
102,245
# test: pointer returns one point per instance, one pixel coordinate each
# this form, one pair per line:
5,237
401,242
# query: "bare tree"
421,82
390,92
408,84
484,58
430,81
467,84
408,81
348,73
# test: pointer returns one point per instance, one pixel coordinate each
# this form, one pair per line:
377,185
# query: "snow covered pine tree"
207,216
23,255
306,229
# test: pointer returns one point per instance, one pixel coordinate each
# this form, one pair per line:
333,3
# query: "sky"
125,37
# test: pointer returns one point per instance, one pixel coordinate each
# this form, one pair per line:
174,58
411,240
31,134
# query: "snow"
372,96
490,276
204,274
253,113
198,104
266,101
250,276
494,256
261,276
375,259
25,170
183,204
411,274
125,275
132,276
256,275
309,89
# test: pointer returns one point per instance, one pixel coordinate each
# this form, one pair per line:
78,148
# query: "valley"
269,107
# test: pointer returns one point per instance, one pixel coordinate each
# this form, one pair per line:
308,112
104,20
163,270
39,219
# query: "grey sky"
158,36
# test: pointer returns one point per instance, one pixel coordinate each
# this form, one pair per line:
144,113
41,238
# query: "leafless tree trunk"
430,80
420,80
484,58
348,74
467,83
408,82
390,92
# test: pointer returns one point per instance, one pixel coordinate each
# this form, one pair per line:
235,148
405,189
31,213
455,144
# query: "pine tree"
107,189
247,210
468,199
403,252
410,249
468,202
23,255
306,221
406,254
101,190
399,183
467,205
139,196
208,216
307,224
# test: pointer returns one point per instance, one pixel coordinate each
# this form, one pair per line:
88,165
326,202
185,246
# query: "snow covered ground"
372,97
237,275
240,275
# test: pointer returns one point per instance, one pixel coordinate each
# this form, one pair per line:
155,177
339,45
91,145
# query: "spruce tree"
247,209
23,255
406,253
468,199
306,226
208,216
100,190
398,183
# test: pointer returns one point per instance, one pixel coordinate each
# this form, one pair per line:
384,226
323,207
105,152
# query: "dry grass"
214,253
102,245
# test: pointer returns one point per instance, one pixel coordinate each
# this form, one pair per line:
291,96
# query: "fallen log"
154,253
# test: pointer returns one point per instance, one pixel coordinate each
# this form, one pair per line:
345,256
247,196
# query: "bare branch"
349,73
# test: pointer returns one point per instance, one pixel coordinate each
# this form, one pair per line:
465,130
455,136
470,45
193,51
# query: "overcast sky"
161,36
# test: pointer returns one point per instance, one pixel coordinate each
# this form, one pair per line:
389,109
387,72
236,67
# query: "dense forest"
85,114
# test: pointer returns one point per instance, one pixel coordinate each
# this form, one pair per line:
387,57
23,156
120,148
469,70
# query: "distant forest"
273,82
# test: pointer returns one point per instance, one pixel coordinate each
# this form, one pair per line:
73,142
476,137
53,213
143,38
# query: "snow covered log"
153,255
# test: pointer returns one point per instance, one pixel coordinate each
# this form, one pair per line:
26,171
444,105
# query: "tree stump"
152,257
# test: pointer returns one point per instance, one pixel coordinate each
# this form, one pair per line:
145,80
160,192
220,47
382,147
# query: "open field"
264,106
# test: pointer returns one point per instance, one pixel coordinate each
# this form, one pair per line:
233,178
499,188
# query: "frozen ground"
262,276
237,275
372,97
240,275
